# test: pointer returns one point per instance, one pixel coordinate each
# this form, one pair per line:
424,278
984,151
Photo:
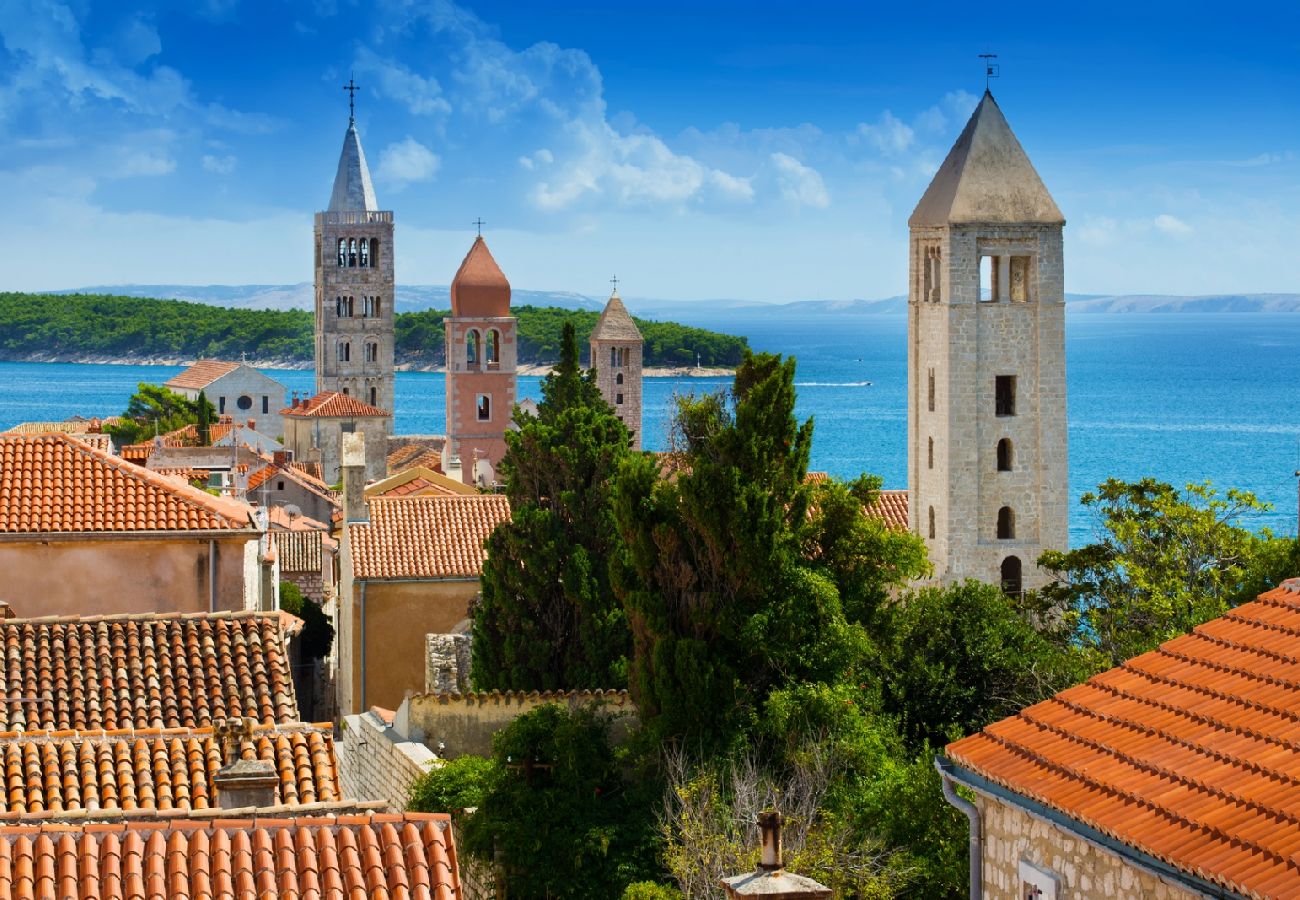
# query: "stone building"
1173,776
354,286
987,453
314,429
236,390
616,355
481,357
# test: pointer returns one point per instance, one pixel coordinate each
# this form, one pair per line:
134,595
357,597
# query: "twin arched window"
372,352
370,307
345,352
358,252
343,307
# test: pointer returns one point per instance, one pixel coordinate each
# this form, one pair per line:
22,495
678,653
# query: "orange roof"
330,404
418,480
297,476
168,670
891,509
52,772
54,483
426,537
480,289
201,374
375,855
300,551
1189,753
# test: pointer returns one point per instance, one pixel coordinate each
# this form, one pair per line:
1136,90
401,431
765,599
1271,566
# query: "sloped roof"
615,324
333,405
168,670
52,772
352,187
201,374
426,452
480,288
891,509
1189,753
54,483
418,480
300,551
375,855
425,537
986,178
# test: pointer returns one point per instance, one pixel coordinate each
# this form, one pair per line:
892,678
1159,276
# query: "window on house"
279,485
221,404
1011,576
1006,523
931,390
244,402
1036,883
988,279
618,399
1004,388
345,392
266,404
484,406
932,523
1004,455
929,454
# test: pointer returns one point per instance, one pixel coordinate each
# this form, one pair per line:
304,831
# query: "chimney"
353,470
769,880
252,424
241,782
293,402
280,458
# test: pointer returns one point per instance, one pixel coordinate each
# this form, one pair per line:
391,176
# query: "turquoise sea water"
1180,397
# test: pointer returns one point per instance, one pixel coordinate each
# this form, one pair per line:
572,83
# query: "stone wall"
1083,870
376,762
447,661
310,583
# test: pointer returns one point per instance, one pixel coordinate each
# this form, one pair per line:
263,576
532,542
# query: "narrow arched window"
352,253
484,407
1012,579
491,349
471,347
613,357
375,306
345,352
929,454
1006,523
338,307
373,395
1005,457
618,379
931,523
365,253
374,253
343,252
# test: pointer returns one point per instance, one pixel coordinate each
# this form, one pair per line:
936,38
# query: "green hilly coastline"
114,328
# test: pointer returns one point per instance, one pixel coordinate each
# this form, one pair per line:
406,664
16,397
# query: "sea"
1180,397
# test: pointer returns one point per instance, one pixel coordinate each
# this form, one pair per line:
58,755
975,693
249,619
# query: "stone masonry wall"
376,763
447,660
1084,870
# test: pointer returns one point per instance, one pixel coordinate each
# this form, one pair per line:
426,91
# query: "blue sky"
755,150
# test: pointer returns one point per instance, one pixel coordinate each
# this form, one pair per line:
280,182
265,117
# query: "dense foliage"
547,617
318,629
452,786
154,410
59,326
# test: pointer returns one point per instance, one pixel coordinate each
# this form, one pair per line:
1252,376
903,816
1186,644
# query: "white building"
236,390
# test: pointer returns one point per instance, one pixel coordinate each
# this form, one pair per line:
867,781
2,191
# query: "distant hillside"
1208,303
102,327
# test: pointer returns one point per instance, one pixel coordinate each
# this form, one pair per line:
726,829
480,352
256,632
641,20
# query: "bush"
649,890
318,630
452,786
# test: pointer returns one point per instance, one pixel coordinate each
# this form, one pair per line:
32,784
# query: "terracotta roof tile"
300,551
55,483
201,374
53,772
891,509
1190,753
144,671
420,451
330,404
374,855
425,537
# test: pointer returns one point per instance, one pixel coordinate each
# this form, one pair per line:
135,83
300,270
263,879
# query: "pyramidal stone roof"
480,289
986,178
615,324
352,187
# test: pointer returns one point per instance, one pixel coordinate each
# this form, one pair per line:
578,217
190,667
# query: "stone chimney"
770,880
352,468
242,783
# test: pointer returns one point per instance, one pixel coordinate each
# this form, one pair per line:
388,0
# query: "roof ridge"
145,616
334,813
142,733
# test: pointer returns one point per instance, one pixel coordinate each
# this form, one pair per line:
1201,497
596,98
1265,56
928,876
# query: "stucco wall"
1083,870
102,577
263,392
320,439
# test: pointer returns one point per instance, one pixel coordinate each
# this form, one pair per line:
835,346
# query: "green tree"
453,786
318,630
548,617
154,409
1165,561
205,414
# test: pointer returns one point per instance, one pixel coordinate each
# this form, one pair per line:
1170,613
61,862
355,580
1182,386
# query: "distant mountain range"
414,297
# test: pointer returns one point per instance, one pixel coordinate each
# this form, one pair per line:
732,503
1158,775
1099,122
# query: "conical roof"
480,288
987,178
615,324
352,187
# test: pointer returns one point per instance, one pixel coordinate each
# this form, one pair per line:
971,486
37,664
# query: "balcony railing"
353,217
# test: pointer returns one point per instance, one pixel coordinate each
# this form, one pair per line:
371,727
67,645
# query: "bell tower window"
492,349
352,253
1005,395
1005,455
483,406
1012,579
1006,524
343,252
471,347
365,253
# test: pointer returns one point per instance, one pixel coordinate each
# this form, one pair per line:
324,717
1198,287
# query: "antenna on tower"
991,69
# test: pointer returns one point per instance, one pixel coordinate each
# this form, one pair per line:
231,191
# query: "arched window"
372,352
613,357
365,253
932,523
374,393
345,352
492,348
471,347
1005,455
338,307
1012,582
352,253
1006,523
618,379
374,253
484,406
343,252
374,304
929,454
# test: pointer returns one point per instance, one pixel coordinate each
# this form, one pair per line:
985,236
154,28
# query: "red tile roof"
425,537
52,772
54,483
1189,753
329,404
891,509
201,374
167,670
375,856
300,551
420,451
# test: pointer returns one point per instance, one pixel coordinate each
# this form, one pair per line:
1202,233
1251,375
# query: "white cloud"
1172,225
137,41
146,164
220,165
539,159
799,183
890,136
407,162
420,94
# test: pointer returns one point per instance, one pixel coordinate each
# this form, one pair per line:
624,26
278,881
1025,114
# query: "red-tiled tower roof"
480,289
331,404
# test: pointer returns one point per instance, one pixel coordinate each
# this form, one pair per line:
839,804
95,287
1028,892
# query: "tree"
452,786
205,413
154,409
548,617
1165,561
318,630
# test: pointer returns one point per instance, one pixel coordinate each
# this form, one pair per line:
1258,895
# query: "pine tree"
548,618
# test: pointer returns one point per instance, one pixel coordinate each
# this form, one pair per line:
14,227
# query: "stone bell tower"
354,285
616,346
987,453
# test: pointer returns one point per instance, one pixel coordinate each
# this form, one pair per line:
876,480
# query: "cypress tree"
205,413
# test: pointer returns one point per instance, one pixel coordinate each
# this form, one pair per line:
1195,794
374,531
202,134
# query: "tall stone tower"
481,355
616,346
354,286
987,454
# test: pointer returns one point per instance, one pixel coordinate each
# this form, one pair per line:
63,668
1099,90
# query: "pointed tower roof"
986,178
352,187
615,324
480,288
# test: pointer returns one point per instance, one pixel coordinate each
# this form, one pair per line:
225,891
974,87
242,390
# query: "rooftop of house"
331,404
200,375
300,551
423,451
156,670
891,508
53,483
1189,754
49,772
327,855
299,476
76,425
615,324
425,537
418,480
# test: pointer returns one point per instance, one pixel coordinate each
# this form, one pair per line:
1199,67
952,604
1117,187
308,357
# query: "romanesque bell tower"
354,285
616,346
987,453
481,352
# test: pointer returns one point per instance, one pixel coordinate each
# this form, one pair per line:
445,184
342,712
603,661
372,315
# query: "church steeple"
616,355
352,187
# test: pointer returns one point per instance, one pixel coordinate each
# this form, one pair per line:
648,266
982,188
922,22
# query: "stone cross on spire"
352,87
479,223
614,281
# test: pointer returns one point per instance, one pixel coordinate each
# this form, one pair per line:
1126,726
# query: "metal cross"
991,69
479,223
614,281
352,87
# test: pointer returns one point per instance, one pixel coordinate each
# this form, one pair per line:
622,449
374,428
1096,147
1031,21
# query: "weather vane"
352,87
991,69
479,223
614,281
